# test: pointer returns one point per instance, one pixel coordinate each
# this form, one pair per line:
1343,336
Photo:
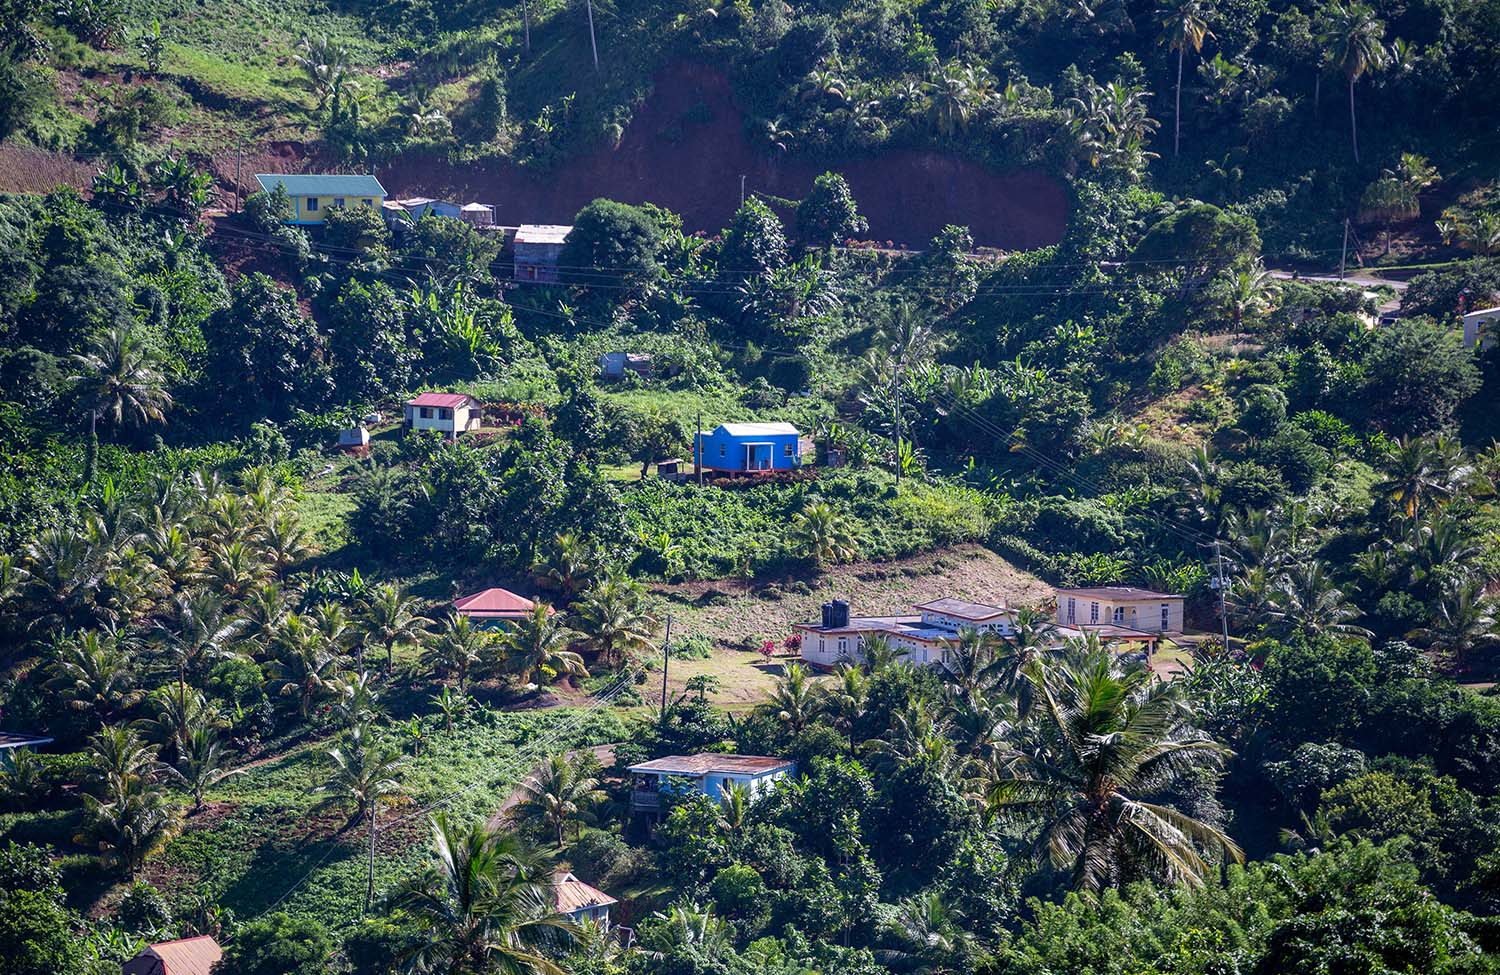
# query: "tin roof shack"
477,215
579,901
706,772
614,365
188,956
538,246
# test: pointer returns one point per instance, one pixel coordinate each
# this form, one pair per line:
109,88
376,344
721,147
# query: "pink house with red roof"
448,413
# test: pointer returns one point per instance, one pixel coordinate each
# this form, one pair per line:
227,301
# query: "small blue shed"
750,447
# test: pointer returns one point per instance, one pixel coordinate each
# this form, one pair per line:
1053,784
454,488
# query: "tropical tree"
125,816
200,630
566,564
389,618
1249,294
612,621
536,648
821,535
560,792
456,648
325,68
842,700
1353,36
1105,742
356,700
92,671
120,381
795,700
482,906
304,664
1463,620
923,935
361,771
1184,25
451,703
200,765
1306,601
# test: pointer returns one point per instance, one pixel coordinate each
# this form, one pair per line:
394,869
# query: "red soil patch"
27,170
669,158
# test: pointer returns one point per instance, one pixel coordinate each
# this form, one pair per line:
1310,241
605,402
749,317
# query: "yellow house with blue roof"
313,195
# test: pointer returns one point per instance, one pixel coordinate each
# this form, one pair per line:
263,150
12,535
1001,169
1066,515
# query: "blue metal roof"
322,185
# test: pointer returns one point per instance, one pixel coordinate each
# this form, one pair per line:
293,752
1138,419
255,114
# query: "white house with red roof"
579,901
495,605
448,413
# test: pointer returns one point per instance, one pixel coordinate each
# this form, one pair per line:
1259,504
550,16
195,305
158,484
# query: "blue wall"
726,452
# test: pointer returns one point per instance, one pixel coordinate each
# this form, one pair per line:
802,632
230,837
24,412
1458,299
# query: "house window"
338,201
722,449
1166,617
1093,612
444,413
1072,610
367,203
312,204
786,450
1119,614
843,645
426,412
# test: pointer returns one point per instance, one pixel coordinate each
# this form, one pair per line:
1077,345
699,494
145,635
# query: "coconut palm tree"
612,621
361,771
456,649
971,660
795,699
566,565
1104,743
822,535
356,700
324,68
1464,619
92,671
285,542
536,648
922,935
125,816
1249,295
121,381
1353,35
200,765
1306,601
451,704
842,700
1421,471
179,715
389,618
482,906
1184,25
200,630
559,793
304,664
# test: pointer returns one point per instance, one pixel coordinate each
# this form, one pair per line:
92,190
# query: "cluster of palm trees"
1066,738
1427,549
608,611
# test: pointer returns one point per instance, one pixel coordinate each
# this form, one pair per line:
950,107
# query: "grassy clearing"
263,832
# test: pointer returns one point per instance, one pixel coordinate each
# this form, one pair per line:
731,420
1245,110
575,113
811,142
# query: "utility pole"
896,383
698,450
666,658
742,189
1344,251
239,159
370,888
1223,587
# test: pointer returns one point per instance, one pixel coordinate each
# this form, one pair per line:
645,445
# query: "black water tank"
840,613
827,616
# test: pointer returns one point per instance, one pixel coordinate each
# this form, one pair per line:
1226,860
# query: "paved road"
1361,279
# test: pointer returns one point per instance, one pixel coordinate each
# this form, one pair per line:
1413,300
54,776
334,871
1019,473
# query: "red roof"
494,604
189,956
570,894
448,400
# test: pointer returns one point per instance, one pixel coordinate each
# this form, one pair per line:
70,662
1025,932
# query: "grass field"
264,840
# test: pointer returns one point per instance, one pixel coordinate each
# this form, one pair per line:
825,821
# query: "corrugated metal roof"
542,233
190,956
478,208
963,609
449,400
1117,592
9,739
322,184
708,762
758,429
571,894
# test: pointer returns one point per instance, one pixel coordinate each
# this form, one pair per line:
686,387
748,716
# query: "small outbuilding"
477,214
353,438
579,901
1481,328
186,956
313,195
448,413
420,206
538,248
749,447
614,365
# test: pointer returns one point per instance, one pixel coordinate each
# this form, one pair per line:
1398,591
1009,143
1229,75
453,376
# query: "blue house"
706,772
749,447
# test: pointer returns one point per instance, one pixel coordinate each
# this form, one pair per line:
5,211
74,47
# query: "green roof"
322,185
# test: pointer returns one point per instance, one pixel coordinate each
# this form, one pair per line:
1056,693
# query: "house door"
757,457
